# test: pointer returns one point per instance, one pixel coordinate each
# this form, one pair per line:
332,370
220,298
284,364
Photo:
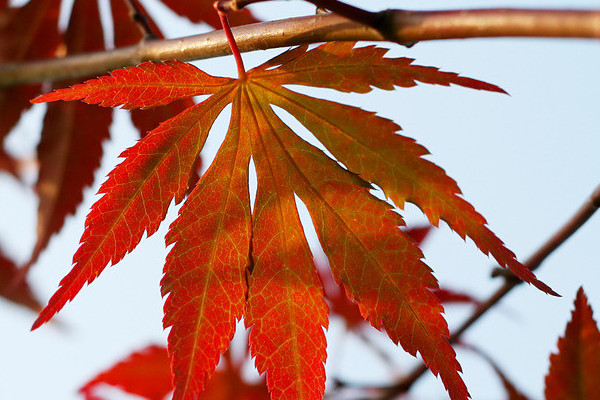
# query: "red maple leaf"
68,158
28,33
575,369
227,262
145,373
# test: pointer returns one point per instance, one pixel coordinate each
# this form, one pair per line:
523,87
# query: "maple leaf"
227,263
574,370
446,295
127,31
30,32
145,373
68,158
418,233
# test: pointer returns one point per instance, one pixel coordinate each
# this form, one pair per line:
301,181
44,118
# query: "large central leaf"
227,264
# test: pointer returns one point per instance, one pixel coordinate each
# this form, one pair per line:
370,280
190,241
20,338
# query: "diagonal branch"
396,25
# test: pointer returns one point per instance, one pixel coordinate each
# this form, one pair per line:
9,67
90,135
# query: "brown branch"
591,205
398,25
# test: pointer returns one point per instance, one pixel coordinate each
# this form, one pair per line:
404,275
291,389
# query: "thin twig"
352,13
402,26
591,205
345,10
139,16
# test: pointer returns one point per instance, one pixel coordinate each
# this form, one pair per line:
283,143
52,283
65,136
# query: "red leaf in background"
68,155
5,13
128,32
575,369
228,385
418,233
31,32
68,160
203,11
446,295
15,290
146,373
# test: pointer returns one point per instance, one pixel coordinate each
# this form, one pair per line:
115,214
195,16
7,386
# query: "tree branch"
396,25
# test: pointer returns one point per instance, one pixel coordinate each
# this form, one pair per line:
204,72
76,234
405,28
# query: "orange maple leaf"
228,262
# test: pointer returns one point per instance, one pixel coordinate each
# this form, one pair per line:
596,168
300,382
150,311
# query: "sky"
526,161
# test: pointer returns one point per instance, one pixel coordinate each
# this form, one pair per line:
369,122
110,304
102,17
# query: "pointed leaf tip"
575,369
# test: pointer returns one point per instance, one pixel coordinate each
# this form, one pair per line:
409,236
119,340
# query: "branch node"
387,24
